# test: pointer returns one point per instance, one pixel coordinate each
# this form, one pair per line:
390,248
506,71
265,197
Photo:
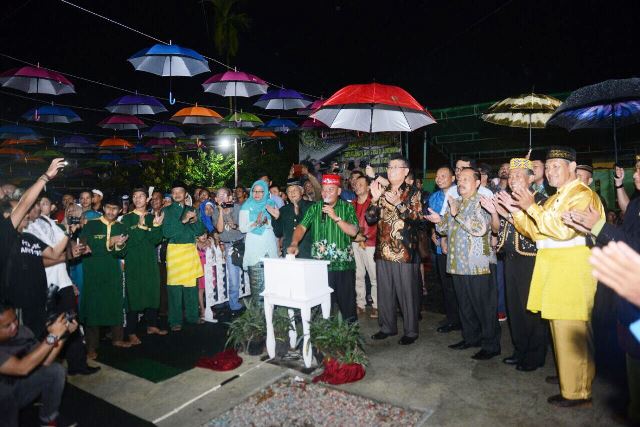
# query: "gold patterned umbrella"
529,111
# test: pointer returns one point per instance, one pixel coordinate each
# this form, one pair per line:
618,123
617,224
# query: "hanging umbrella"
281,125
159,143
262,134
311,108
140,149
169,60
135,104
76,141
51,114
110,157
609,104
33,159
98,163
241,120
14,142
17,132
12,152
197,116
231,133
115,143
164,131
36,80
81,173
121,122
48,154
530,111
235,83
282,99
312,124
147,157
373,107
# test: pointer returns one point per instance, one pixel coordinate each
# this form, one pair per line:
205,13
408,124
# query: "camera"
73,220
226,205
52,306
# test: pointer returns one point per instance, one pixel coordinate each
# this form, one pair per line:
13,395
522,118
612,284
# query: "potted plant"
281,327
343,348
248,331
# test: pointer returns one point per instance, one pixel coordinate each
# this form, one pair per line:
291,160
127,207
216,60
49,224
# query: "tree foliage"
228,23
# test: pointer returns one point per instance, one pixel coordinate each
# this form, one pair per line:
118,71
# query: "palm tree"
228,24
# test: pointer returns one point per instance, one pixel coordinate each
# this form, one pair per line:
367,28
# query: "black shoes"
462,345
485,355
445,329
88,370
405,340
526,368
511,360
561,402
380,335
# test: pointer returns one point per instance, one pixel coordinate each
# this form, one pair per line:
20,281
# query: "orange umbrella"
9,142
33,159
262,134
115,143
6,151
197,116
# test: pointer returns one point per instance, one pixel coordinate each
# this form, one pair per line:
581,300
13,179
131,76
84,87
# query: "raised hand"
54,167
523,197
488,204
618,177
454,206
507,202
618,266
433,216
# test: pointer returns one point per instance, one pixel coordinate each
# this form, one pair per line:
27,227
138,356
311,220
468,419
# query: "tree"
228,24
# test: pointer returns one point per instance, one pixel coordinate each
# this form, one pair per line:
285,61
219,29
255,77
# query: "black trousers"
150,319
74,350
529,332
343,284
448,293
478,302
397,280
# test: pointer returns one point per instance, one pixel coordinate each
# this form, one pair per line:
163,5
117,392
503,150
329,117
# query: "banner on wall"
352,150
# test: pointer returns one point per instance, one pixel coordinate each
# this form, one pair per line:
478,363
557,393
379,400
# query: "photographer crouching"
28,368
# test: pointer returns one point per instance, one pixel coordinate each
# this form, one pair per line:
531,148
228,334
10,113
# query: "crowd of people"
521,247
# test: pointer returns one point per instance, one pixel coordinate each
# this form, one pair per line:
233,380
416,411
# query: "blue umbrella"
51,114
164,131
282,99
140,149
609,104
281,125
169,60
111,157
17,132
135,104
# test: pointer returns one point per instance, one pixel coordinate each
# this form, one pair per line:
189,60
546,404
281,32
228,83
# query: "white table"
296,284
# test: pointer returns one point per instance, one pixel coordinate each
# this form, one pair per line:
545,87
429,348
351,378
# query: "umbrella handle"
172,100
36,116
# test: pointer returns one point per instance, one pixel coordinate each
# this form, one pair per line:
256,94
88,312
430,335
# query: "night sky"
444,53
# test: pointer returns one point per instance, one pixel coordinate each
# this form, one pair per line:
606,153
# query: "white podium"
295,283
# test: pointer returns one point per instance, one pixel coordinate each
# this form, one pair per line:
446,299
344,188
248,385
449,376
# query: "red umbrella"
373,107
122,122
312,124
36,80
159,143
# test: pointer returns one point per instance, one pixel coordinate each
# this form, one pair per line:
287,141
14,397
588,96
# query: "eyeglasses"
396,167
258,191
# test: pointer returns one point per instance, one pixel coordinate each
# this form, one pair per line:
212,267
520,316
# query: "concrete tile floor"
448,385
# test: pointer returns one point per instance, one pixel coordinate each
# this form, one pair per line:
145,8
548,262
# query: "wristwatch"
337,220
619,186
52,339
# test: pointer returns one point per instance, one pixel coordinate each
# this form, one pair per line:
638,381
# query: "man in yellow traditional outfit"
181,227
562,287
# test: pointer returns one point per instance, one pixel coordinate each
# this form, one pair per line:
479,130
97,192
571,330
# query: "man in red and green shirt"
332,223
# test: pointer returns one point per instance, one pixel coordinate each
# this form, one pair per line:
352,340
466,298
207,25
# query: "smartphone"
297,170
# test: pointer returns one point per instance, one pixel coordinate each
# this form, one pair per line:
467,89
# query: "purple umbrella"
121,122
36,80
159,143
135,104
76,142
282,99
164,131
235,83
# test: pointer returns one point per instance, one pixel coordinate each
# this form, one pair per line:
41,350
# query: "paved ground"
448,385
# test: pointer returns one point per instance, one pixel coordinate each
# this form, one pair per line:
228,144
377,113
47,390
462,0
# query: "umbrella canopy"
122,122
262,134
147,157
311,108
159,143
241,120
98,163
36,80
169,60
111,157
48,154
18,132
373,107
14,142
197,116
135,104
231,133
115,143
281,125
33,159
76,141
282,99
530,111
140,149
609,104
12,152
312,124
164,131
51,114
235,83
